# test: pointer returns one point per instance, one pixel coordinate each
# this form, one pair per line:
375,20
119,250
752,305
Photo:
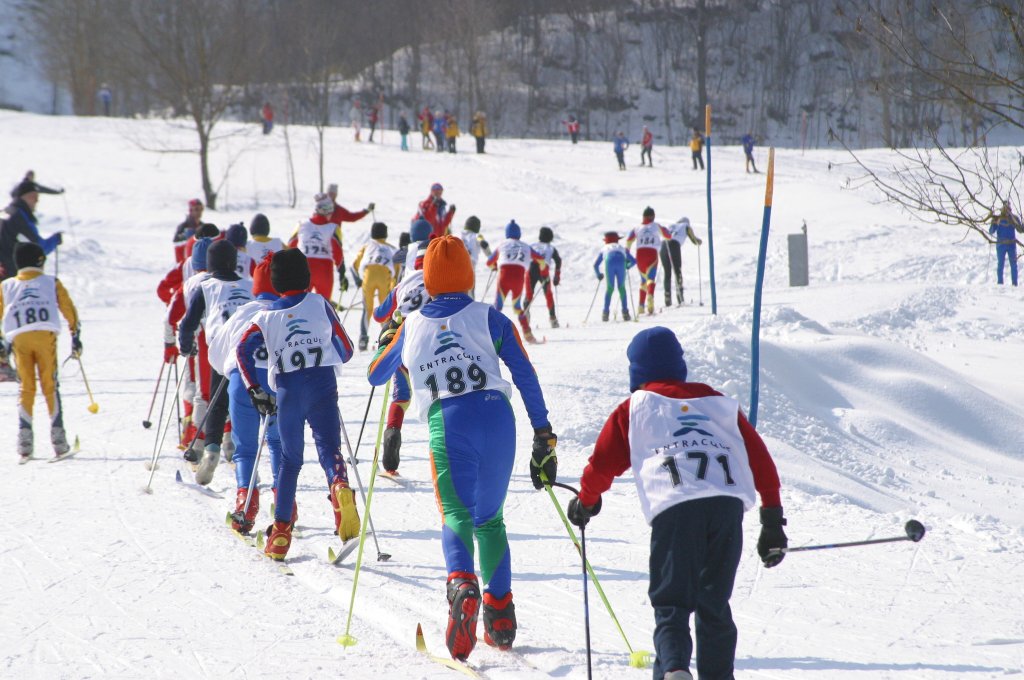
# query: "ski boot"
499,621
678,675
279,539
604,316
227,447
207,465
650,306
392,446
346,517
463,608
248,518
679,295
554,320
363,343
625,315
59,440
25,443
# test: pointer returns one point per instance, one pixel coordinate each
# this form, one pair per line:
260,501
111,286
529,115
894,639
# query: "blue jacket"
748,143
621,144
506,344
1005,229
623,260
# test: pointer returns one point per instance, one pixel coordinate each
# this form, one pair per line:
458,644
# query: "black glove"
387,333
359,281
5,351
580,514
451,208
600,276
262,402
343,282
370,207
60,237
772,537
76,346
544,458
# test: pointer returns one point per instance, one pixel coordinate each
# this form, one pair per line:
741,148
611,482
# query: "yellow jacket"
64,303
479,127
453,129
697,143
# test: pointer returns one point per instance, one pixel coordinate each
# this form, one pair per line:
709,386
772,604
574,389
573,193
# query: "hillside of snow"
891,388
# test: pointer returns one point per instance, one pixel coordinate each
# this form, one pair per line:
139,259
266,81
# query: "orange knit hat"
446,267
261,277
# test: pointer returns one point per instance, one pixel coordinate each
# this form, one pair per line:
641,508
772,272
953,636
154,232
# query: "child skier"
616,260
261,243
452,346
319,239
672,257
510,259
550,254
305,345
474,242
379,275
648,238
237,236
29,304
435,210
245,419
694,502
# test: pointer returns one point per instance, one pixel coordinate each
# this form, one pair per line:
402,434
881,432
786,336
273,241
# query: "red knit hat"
446,266
261,276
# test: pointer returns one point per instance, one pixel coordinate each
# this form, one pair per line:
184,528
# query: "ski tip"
421,644
177,475
331,556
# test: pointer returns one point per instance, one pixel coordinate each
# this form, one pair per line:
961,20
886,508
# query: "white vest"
410,257
678,231
410,295
242,268
378,253
450,356
222,299
298,337
187,270
472,242
221,349
257,250
684,449
547,251
315,240
611,248
30,306
648,236
514,252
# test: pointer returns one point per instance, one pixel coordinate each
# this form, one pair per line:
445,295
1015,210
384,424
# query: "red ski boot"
279,539
248,518
499,621
346,517
463,608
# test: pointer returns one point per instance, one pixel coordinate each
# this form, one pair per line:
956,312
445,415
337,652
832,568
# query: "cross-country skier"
187,229
511,259
475,242
697,463
616,260
648,238
407,297
436,210
261,243
672,257
29,305
646,146
452,346
376,262
238,236
320,240
245,419
211,304
549,252
305,345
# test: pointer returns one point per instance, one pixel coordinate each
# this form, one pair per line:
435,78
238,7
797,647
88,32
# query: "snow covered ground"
891,389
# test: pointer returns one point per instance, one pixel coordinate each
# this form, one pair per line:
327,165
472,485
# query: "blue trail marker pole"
762,254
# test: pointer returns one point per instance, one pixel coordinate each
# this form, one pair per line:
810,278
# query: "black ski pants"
695,550
672,262
213,431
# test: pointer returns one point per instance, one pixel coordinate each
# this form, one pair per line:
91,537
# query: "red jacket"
647,139
428,211
611,452
170,284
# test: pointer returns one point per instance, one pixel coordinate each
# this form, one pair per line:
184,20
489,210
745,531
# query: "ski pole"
177,402
93,406
56,261
490,279
152,402
381,556
586,599
346,639
348,309
700,279
159,443
914,532
637,658
359,439
206,416
629,282
592,301
239,517
163,404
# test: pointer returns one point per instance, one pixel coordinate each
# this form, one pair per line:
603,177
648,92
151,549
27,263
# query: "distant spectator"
479,130
748,151
105,97
267,118
187,229
403,130
355,115
440,130
1005,228
646,145
426,119
21,226
573,126
451,133
620,145
374,118
697,149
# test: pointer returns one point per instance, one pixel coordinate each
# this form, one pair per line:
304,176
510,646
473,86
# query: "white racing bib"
315,240
450,356
515,252
378,253
298,337
221,349
648,236
222,299
547,251
30,306
410,295
684,449
257,250
472,242
243,265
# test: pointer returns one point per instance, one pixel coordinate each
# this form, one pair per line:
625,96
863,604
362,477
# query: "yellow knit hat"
446,267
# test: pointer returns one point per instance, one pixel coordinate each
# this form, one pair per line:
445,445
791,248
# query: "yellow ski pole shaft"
637,658
93,406
345,639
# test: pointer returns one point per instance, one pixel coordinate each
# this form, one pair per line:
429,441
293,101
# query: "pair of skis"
75,448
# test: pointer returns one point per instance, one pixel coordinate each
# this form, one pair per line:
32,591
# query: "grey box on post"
798,267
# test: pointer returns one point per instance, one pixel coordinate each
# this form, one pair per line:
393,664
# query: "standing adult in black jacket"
20,226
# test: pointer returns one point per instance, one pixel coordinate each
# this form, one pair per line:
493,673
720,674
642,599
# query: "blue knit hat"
655,354
199,254
420,230
512,230
237,235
